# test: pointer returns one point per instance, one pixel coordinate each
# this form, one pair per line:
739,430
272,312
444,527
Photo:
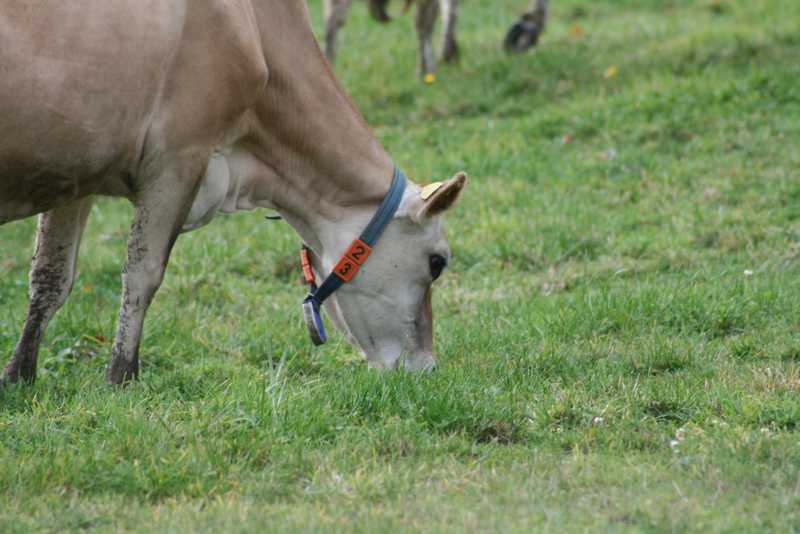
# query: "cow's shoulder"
225,34
218,71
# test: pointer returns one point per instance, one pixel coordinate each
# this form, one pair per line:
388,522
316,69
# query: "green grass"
618,337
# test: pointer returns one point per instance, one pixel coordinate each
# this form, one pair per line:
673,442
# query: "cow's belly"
26,189
91,91
78,83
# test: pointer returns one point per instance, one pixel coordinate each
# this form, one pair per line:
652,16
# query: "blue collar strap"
351,261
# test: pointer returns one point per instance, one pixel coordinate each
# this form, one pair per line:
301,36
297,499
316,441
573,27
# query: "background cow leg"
58,238
377,8
335,13
449,17
160,211
427,10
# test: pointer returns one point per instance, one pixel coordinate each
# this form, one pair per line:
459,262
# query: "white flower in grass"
680,435
719,423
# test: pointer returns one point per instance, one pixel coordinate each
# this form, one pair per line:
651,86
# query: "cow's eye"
437,264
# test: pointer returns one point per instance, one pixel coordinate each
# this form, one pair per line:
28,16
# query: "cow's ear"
438,198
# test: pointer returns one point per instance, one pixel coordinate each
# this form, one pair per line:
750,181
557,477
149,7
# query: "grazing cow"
525,33
335,14
188,108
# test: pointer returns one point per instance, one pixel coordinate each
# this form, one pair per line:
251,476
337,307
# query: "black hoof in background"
522,36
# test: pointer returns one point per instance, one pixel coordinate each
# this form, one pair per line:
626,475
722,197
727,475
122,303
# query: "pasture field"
618,336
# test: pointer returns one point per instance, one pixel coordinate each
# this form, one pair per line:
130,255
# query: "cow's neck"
324,162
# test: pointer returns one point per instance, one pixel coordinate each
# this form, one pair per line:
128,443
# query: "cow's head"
385,311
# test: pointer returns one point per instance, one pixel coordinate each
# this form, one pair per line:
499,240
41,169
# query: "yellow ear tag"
428,191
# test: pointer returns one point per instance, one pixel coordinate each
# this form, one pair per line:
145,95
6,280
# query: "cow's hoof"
522,36
450,52
19,371
121,371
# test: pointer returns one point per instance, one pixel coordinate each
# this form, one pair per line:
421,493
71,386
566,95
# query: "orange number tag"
346,269
352,260
358,252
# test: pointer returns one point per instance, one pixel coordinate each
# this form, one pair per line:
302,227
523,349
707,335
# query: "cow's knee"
49,288
141,287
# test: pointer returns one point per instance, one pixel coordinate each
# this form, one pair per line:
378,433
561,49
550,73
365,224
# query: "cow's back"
81,84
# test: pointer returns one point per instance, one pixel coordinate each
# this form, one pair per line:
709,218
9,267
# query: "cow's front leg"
58,238
427,11
160,211
449,50
335,14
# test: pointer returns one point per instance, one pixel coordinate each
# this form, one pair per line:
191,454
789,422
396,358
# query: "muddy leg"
449,17
58,238
160,211
427,11
525,33
335,13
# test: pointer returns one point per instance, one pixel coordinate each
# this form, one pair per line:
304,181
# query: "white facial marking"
385,309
